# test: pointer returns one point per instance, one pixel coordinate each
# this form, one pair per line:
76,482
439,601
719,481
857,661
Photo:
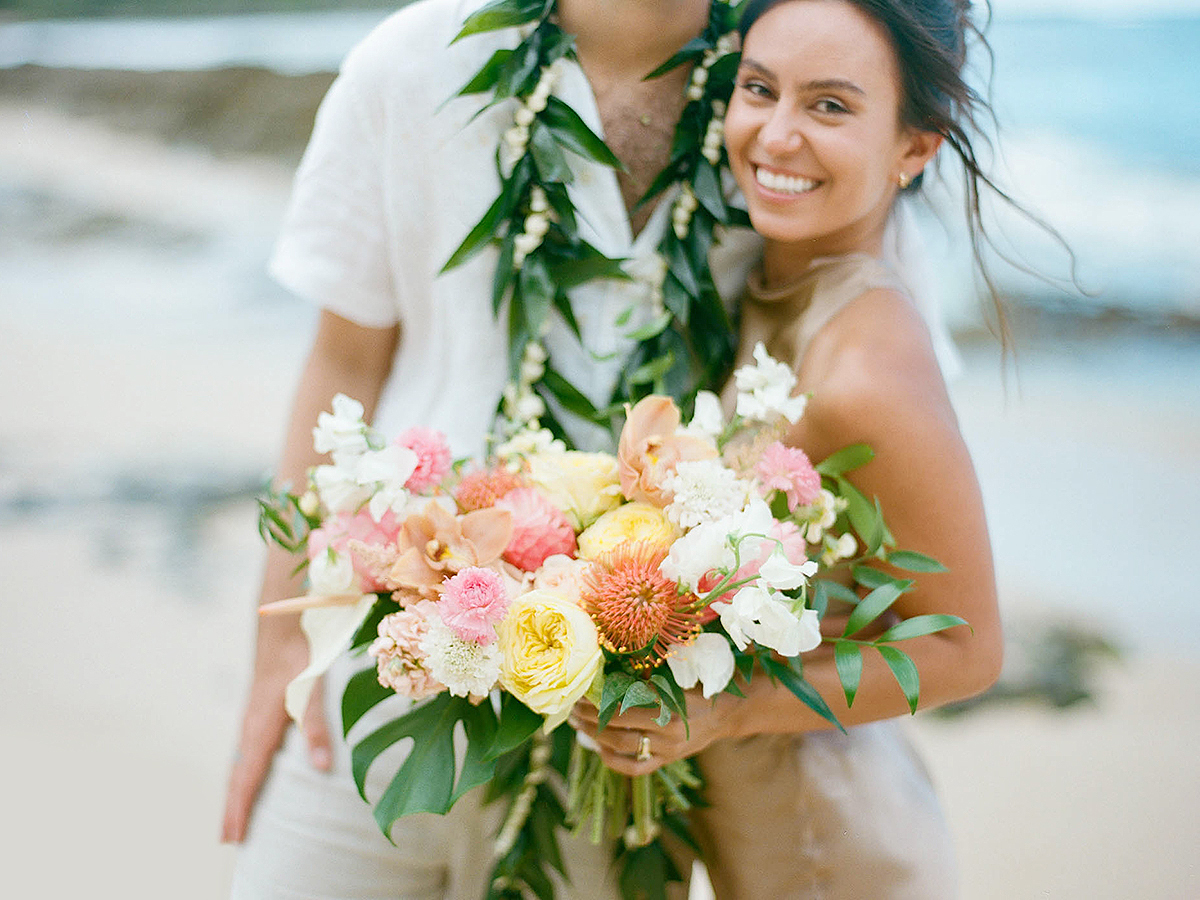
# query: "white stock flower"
782,574
530,441
330,573
765,390
759,614
707,659
466,668
704,490
342,432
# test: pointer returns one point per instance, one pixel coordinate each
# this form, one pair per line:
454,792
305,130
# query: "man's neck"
631,36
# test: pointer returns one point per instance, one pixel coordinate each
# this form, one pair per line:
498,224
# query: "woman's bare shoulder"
872,374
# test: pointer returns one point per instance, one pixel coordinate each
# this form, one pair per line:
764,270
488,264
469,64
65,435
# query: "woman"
838,107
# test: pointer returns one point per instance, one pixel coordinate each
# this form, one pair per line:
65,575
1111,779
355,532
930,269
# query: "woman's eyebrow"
818,84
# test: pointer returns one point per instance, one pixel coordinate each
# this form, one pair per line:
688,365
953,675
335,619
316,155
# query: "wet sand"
147,367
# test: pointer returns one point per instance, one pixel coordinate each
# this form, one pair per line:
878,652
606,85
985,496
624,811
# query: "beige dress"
821,816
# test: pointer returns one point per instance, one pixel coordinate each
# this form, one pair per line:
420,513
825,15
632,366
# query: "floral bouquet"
501,592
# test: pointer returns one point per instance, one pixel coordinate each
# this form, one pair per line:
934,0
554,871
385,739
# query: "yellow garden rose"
550,654
583,485
631,522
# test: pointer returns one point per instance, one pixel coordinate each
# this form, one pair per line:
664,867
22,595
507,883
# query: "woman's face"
813,128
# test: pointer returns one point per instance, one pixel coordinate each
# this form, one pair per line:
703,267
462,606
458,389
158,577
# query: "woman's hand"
632,744
282,654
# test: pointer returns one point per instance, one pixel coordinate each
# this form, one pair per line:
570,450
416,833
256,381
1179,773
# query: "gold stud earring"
904,180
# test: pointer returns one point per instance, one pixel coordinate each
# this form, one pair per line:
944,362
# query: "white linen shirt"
396,175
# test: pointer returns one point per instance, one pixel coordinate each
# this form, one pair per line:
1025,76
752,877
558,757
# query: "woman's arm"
356,361
873,378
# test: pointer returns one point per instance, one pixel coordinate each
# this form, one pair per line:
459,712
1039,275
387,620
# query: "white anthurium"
342,432
782,574
707,659
329,630
759,614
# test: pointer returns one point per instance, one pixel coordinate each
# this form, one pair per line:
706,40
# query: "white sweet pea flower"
391,464
331,573
765,390
339,489
759,614
782,574
708,420
342,432
691,557
707,659
750,527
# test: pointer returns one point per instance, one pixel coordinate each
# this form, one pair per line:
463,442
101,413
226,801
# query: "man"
393,179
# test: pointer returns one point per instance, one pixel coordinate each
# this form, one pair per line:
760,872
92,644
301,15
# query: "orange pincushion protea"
638,610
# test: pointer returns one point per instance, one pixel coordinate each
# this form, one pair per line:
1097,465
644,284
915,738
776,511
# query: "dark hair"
930,38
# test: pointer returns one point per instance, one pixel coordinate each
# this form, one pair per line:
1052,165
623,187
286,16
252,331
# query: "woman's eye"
829,105
755,87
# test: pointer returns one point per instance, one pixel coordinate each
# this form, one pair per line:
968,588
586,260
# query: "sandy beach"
147,365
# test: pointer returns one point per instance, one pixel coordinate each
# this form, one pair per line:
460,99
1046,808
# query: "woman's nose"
781,132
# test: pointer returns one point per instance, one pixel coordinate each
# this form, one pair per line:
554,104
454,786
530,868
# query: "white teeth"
785,184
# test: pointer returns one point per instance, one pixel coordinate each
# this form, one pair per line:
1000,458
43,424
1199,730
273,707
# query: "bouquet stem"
646,812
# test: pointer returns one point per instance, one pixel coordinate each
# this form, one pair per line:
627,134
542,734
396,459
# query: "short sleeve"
332,247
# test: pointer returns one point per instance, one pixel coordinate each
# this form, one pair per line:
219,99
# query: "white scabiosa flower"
466,668
704,490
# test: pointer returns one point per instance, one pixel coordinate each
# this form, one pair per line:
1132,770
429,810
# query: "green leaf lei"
689,343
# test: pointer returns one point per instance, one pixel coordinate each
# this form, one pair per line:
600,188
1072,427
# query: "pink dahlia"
354,533
638,610
473,601
788,469
433,457
481,489
540,529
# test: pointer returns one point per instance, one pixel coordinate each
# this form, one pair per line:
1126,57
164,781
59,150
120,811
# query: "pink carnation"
473,601
398,659
787,469
540,529
345,529
433,457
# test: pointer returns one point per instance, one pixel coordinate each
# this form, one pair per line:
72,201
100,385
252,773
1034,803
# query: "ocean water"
1099,120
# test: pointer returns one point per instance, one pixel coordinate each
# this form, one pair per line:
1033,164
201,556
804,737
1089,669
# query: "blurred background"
146,364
